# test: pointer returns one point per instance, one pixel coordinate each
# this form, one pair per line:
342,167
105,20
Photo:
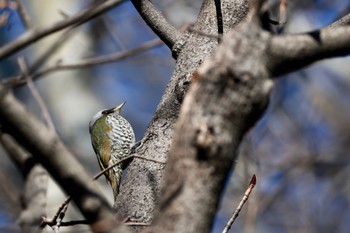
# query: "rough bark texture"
228,95
224,101
141,186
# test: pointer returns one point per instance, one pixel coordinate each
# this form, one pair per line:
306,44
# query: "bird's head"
100,116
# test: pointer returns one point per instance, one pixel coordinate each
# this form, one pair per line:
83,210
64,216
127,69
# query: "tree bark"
141,187
219,102
228,95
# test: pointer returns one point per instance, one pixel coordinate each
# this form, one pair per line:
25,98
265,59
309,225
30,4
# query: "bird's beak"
112,110
118,107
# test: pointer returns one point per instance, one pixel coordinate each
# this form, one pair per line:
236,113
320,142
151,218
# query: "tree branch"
34,192
58,217
245,197
38,33
35,92
48,149
130,157
20,80
156,21
51,50
24,14
291,52
344,21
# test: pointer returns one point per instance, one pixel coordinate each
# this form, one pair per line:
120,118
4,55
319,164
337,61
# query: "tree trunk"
141,187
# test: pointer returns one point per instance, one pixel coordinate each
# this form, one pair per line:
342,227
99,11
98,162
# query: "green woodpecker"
112,138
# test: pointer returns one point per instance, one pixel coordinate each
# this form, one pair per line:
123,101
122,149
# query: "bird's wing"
105,153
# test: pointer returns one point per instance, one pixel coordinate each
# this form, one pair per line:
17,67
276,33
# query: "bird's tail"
115,176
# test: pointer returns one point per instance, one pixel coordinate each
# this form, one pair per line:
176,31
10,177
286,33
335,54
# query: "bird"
112,138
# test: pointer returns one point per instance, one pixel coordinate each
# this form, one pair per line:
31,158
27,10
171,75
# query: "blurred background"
299,150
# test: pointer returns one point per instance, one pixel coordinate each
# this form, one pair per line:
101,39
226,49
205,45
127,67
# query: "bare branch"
156,21
344,21
219,18
57,44
282,19
36,94
34,192
24,14
292,52
245,197
20,80
56,221
43,58
38,33
283,12
17,153
137,224
85,222
126,159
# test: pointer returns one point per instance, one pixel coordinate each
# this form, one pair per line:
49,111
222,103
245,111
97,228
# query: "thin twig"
158,23
42,59
129,221
24,14
240,205
34,35
219,18
61,216
75,222
123,160
110,28
17,81
60,213
57,44
283,12
134,224
191,29
282,16
56,221
36,94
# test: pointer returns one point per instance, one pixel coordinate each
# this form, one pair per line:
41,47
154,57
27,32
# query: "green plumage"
112,138
98,134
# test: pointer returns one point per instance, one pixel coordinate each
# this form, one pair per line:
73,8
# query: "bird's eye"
107,111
